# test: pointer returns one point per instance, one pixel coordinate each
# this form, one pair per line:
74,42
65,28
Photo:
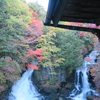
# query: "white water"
82,86
24,89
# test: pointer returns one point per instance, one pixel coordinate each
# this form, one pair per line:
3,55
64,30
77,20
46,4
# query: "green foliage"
61,48
70,45
14,18
53,81
39,9
88,41
50,50
3,63
2,78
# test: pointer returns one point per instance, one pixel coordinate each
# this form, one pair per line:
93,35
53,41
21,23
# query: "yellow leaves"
60,60
54,34
70,71
47,64
68,23
2,78
43,36
57,30
53,73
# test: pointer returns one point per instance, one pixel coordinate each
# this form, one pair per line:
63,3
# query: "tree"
70,45
14,18
50,50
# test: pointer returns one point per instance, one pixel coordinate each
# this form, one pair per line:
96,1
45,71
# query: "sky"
43,3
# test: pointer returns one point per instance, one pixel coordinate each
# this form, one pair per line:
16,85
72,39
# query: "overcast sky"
43,3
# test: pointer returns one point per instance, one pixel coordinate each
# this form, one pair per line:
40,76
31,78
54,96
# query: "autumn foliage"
33,32
82,25
82,34
93,70
34,53
37,55
30,66
88,59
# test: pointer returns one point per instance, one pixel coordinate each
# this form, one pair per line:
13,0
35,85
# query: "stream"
24,89
82,86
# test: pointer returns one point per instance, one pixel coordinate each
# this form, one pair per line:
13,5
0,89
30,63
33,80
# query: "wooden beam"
81,15
59,10
76,8
74,19
50,10
84,4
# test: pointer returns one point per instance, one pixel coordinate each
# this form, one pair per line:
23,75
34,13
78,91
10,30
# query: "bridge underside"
80,11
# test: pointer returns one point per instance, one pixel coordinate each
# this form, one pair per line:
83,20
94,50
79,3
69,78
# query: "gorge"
24,89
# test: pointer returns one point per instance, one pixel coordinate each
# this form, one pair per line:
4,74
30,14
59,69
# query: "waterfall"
24,89
82,85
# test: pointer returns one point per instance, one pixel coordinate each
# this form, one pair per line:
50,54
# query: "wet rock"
56,85
90,98
60,98
2,88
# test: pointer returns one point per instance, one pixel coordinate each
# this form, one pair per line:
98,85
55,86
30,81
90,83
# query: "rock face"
56,85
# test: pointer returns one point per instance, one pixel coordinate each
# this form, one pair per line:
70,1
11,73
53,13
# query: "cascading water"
82,86
24,89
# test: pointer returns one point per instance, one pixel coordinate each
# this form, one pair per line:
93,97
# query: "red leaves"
34,13
40,58
37,54
36,26
88,59
35,29
92,26
34,53
82,34
33,32
29,66
9,60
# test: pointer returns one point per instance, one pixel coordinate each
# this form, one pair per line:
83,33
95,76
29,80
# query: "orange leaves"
88,59
29,66
92,71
